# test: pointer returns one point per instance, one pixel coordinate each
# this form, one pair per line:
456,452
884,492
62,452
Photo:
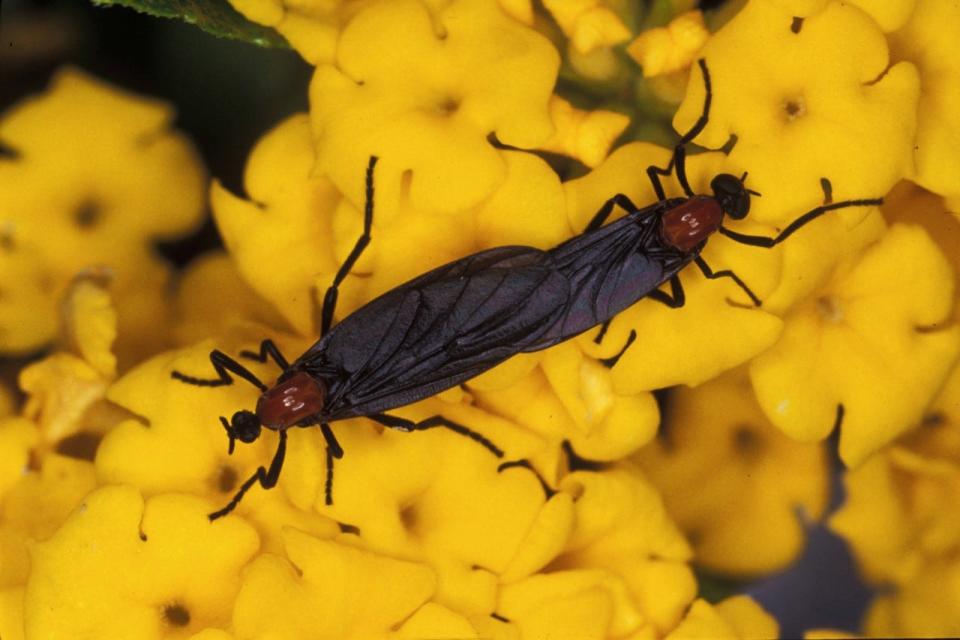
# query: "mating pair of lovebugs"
459,320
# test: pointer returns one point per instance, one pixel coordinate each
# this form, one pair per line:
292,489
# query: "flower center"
745,442
794,108
227,479
87,215
829,309
176,615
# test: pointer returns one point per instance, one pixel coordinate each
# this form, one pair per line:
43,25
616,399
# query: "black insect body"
463,318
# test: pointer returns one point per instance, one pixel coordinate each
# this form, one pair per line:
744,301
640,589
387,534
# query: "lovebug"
461,319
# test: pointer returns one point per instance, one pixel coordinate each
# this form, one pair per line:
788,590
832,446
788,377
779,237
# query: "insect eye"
246,426
731,194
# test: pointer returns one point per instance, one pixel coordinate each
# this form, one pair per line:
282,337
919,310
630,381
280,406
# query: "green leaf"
213,16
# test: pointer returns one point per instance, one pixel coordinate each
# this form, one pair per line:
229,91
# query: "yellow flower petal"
323,589
160,568
821,102
584,135
572,603
11,613
123,180
437,497
92,325
671,48
889,14
285,223
17,437
589,24
436,621
874,341
734,618
927,41
622,527
35,507
732,481
212,297
926,607
426,105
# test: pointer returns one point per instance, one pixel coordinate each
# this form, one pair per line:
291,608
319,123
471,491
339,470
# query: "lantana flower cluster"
495,123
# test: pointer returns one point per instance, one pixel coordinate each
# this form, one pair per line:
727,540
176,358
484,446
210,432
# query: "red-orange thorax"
688,224
289,402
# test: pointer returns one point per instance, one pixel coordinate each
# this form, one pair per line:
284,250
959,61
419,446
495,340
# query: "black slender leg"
403,424
611,361
726,273
601,216
223,365
678,158
334,451
267,478
603,331
767,243
525,464
267,348
330,298
675,299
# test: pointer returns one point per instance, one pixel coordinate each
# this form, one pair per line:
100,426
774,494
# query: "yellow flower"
119,568
17,437
287,224
436,497
871,347
908,492
65,391
819,103
584,135
671,48
123,179
36,506
328,589
927,41
425,101
212,297
569,397
589,24
11,613
742,491
910,204
923,607
889,14
624,539
734,618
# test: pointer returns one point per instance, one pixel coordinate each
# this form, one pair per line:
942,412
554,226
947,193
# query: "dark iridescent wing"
438,330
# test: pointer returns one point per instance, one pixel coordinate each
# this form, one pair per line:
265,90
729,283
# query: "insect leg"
809,216
611,361
222,364
603,331
334,450
675,299
600,216
266,478
679,151
330,298
726,273
525,464
267,348
403,424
